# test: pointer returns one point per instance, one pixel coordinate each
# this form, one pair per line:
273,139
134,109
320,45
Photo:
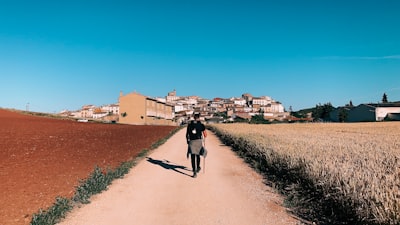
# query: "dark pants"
195,162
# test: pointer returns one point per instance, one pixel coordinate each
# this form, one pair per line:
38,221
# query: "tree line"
322,111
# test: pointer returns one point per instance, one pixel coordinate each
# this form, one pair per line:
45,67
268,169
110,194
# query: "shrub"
94,184
53,214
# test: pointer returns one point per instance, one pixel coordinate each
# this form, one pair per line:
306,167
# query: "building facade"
137,109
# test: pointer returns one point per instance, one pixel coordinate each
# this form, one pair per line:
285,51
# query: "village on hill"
138,109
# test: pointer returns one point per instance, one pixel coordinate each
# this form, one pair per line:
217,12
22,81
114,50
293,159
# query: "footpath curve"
160,190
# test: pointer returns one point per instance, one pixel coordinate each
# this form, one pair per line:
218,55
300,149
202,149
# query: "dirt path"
160,190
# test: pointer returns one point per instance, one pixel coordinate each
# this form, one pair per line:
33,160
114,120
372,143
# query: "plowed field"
42,158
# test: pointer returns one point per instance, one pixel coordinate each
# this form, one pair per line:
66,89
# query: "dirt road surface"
160,190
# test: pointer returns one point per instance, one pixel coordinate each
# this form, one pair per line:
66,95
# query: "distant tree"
317,112
304,113
297,114
221,114
322,111
350,104
258,119
384,98
343,115
240,120
290,109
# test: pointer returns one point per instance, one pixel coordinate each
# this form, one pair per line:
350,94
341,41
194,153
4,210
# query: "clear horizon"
63,55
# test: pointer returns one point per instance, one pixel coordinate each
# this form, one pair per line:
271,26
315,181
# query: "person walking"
195,133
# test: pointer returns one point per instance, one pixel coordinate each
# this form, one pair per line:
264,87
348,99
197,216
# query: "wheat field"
355,164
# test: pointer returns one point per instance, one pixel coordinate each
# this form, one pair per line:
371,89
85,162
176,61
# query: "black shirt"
195,130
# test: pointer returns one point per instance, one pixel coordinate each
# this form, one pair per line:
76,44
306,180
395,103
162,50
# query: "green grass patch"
53,214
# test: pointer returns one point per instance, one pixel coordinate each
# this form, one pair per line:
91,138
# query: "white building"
99,114
239,101
178,107
262,101
277,107
192,101
87,111
112,108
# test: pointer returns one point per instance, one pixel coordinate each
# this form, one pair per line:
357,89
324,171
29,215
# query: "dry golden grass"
356,165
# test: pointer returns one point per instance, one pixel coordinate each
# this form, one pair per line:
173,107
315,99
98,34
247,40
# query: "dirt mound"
42,158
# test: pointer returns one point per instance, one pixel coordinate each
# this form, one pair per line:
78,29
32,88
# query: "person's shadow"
168,165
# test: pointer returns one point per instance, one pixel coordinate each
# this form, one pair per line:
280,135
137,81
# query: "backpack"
195,130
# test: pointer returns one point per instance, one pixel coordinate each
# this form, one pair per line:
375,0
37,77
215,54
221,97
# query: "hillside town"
135,108
138,109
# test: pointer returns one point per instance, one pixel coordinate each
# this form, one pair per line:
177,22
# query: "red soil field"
42,158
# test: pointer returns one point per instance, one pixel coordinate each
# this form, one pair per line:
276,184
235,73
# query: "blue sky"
58,55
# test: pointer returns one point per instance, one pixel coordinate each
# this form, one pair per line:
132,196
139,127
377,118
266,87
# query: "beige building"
138,109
